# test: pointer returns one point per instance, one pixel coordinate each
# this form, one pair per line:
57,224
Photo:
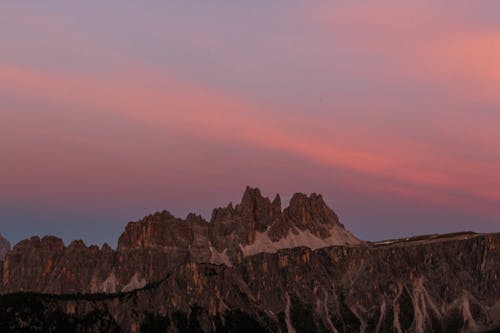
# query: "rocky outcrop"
4,247
447,283
151,248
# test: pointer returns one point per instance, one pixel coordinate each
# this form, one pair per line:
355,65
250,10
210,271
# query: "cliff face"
428,284
153,247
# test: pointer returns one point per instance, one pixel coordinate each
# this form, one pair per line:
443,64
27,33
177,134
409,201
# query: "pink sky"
110,112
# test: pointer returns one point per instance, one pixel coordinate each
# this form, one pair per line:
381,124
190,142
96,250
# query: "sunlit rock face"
151,248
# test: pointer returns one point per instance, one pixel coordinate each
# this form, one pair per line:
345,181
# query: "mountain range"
253,267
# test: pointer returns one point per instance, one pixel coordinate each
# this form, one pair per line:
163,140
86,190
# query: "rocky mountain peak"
255,218
49,243
106,248
276,205
222,214
159,229
194,218
4,246
251,196
304,210
153,246
77,244
256,209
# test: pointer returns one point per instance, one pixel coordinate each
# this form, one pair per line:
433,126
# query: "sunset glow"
121,109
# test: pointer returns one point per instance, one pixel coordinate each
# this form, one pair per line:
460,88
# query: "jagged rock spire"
4,246
257,209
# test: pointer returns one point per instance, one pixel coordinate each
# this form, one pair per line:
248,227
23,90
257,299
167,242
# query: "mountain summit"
152,247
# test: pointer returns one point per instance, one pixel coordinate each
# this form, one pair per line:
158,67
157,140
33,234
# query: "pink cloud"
166,102
440,45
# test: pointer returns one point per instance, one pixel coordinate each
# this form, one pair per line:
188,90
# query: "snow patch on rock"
298,238
219,258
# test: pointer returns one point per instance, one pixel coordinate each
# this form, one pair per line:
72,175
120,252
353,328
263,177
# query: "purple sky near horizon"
111,111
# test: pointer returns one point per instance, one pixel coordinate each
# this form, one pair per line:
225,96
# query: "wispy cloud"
165,103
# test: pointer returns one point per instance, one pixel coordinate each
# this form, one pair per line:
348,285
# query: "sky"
112,110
